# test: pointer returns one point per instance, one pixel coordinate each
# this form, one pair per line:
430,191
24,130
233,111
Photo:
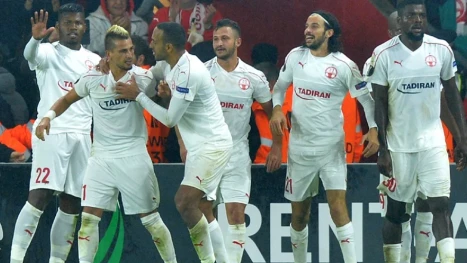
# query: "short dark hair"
403,3
334,42
264,52
173,33
228,23
115,32
142,48
269,69
70,8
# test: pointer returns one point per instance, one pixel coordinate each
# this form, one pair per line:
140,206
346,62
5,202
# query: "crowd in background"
19,95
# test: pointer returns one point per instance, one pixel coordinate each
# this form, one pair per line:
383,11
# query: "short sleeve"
81,86
146,83
286,72
366,67
354,80
185,84
261,92
378,70
449,66
160,70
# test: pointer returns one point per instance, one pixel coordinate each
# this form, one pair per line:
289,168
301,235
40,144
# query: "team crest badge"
89,64
430,61
244,83
330,72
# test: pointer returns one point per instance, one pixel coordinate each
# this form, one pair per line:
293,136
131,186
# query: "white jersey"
203,122
366,67
320,85
236,91
413,78
119,126
57,68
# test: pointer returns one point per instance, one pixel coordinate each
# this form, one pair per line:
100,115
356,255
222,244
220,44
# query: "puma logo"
346,240
157,241
239,243
199,179
294,245
29,232
427,234
301,64
84,238
398,62
200,244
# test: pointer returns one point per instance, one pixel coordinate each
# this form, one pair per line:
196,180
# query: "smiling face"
412,21
158,45
315,32
117,7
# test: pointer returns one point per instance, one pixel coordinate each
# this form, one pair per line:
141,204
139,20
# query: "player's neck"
174,58
229,64
76,46
320,52
410,44
117,72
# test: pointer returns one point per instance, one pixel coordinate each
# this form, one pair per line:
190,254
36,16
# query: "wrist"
51,115
140,96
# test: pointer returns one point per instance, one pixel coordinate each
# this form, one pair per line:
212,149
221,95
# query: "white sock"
299,244
25,229
345,236
406,249
218,244
62,235
423,236
236,242
446,250
88,237
161,236
392,253
202,241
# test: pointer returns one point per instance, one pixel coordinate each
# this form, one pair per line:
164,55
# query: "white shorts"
59,162
204,168
303,170
422,174
132,176
383,198
235,183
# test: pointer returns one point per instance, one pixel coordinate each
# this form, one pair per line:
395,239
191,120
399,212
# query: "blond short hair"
113,33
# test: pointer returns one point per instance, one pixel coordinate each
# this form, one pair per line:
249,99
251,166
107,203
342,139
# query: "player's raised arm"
39,30
59,107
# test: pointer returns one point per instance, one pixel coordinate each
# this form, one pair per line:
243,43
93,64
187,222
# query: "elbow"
170,124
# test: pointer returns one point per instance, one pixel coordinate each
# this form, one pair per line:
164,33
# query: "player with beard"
120,162
58,163
321,77
406,74
196,111
237,84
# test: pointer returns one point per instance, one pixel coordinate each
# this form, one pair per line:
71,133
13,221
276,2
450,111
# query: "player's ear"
238,41
329,33
140,60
